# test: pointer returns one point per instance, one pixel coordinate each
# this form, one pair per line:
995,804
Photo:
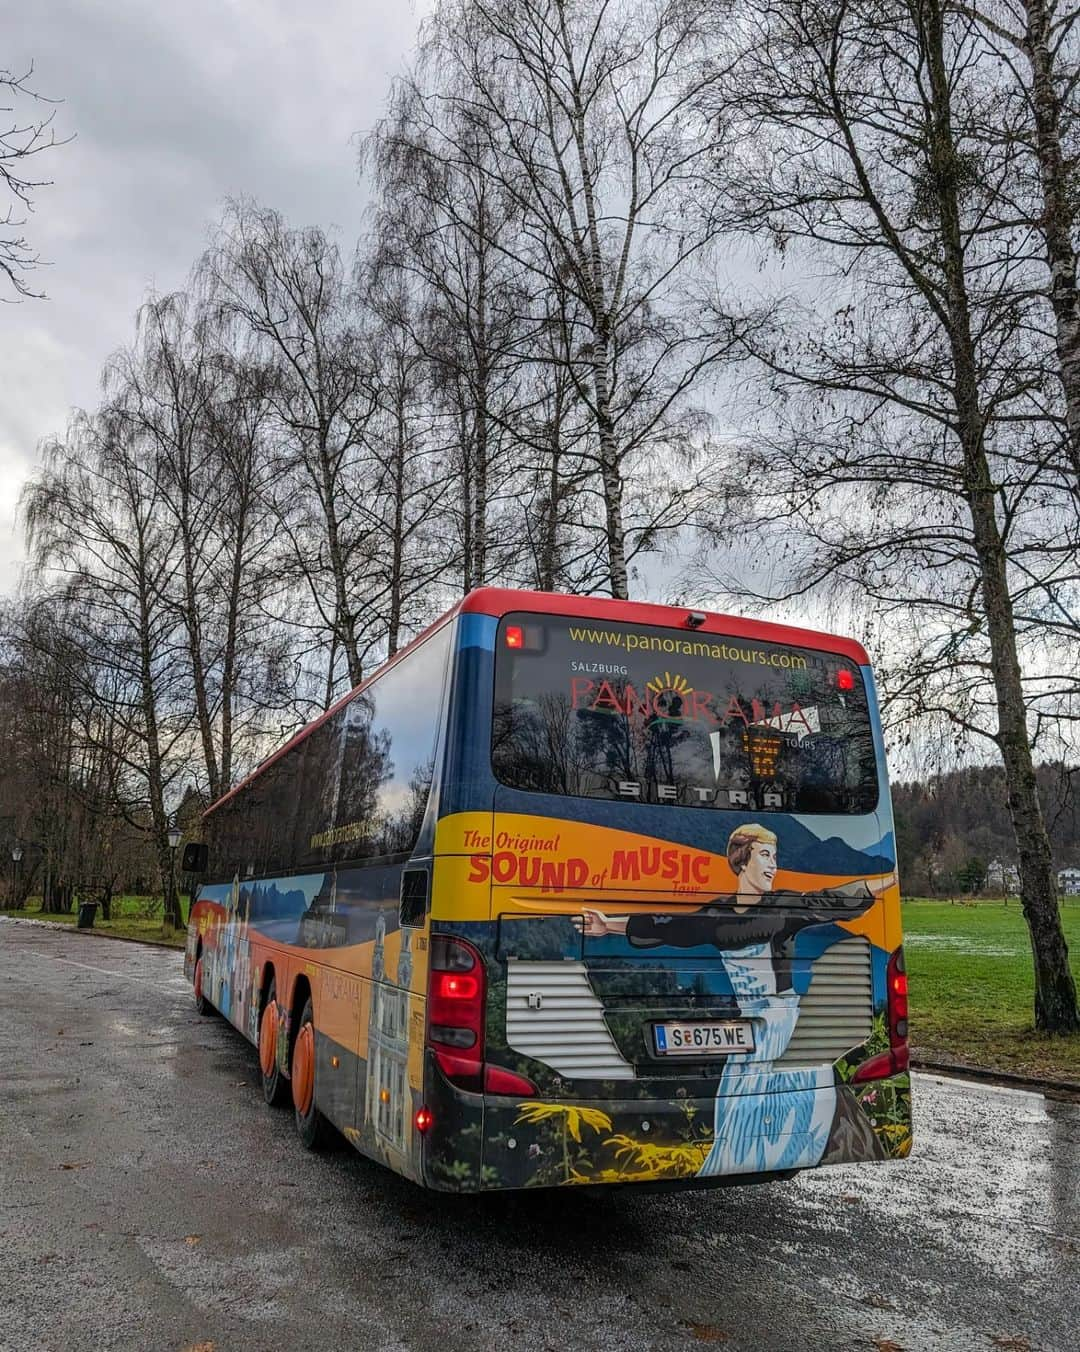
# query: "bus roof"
499,601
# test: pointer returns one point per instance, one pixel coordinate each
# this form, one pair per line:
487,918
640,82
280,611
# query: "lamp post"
16,856
174,833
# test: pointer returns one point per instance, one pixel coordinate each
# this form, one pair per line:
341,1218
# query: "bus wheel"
310,1123
202,1004
275,1090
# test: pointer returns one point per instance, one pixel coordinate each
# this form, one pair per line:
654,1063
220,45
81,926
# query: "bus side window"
415,893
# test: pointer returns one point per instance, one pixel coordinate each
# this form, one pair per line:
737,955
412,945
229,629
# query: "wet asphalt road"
149,1200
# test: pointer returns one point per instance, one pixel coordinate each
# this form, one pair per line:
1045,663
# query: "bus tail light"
456,1011
455,1029
897,1058
500,1081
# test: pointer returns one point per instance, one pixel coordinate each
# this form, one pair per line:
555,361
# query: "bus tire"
311,1126
202,1004
275,1090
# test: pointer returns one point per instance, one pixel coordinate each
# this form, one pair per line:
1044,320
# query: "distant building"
1069,882
1001,877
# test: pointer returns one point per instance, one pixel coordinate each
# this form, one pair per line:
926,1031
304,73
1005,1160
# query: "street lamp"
16,855
174,833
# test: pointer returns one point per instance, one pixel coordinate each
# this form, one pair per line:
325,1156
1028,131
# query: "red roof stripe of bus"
499,601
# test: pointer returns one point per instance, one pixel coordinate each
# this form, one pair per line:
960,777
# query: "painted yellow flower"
571,1116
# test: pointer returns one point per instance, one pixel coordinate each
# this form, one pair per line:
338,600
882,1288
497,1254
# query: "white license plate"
711,1038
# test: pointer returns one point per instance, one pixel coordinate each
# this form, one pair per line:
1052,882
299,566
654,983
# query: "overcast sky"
175,106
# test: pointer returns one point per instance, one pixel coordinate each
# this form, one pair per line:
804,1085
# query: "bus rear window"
667,716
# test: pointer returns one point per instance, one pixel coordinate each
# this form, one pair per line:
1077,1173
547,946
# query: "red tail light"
452,986
500,1081
455,1028
423,1119
897,1058
455,1031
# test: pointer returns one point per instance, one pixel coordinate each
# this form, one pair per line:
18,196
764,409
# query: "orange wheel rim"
303,1070
198,980
268,1038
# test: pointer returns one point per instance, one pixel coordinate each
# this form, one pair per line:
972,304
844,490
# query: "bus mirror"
194,858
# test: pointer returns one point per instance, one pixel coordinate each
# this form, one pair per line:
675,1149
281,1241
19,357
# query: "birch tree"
444,226
105,552
592,112
1037,40
915,461
287,289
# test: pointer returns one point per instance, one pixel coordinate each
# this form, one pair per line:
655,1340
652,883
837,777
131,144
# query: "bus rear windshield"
666,716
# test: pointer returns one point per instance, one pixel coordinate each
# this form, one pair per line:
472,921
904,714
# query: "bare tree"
287,289
163,387
592,113
104,551
21,138
202,413
1037,41
443,227
411,480
924,476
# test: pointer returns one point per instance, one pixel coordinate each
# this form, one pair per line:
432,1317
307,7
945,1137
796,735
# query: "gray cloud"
176,107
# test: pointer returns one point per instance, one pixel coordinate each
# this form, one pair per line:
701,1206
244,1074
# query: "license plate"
704,1038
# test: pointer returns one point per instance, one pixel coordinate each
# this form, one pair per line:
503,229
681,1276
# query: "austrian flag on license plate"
704,1038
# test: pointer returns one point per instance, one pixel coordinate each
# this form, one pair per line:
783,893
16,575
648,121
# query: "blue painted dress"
768,1118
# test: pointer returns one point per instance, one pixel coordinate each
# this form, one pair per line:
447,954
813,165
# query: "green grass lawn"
972,987
132,918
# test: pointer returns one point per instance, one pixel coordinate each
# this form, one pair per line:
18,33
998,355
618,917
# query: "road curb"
963,1071
95,933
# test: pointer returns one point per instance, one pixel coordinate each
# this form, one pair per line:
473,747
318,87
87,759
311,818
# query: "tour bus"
573,891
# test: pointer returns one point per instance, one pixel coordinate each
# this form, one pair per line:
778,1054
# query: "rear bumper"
678,1142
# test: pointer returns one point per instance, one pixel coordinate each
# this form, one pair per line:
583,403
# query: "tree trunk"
328,696
396,542
344,621
155,787
549,538
614,531
232,623
1058,220
228,661
195,650
1055,990
468,581
480,436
